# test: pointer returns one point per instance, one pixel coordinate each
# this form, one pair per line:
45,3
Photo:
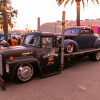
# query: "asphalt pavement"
80,81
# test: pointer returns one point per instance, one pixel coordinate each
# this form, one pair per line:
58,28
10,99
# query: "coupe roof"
80,27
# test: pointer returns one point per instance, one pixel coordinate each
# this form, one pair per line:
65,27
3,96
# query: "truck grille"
1,71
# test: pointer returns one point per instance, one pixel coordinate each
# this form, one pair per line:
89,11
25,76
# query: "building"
56,27
13,33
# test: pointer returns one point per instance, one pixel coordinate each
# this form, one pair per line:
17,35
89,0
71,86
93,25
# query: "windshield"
72,31
33,40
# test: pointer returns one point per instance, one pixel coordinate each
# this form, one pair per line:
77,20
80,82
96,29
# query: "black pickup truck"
40,52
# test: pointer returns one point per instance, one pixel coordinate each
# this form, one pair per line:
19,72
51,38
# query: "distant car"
80,38
3,43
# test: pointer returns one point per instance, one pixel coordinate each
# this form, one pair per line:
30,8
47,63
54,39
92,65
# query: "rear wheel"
24,72
70,48
95,56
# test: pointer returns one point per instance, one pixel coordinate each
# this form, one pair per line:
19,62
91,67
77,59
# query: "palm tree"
59,2
5,20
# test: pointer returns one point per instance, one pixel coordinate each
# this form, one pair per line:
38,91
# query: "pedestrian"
14,42
19,40
9,41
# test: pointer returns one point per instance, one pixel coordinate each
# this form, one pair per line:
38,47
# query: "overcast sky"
48,11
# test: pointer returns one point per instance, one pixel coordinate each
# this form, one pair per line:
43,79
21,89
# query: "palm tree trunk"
78,12
5,20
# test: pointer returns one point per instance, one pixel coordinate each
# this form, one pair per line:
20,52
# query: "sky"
48,11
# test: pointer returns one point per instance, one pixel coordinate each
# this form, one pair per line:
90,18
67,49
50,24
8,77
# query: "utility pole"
38,29
5,20
55,26
62,40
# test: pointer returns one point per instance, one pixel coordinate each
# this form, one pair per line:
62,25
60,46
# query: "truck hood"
17,51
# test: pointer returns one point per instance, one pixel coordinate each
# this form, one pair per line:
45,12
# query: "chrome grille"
1,71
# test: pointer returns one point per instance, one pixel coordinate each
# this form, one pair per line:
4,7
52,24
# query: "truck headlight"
7,68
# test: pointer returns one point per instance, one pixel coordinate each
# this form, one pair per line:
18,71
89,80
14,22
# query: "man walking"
14,42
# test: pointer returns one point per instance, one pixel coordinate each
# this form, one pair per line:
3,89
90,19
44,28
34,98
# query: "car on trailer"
79,38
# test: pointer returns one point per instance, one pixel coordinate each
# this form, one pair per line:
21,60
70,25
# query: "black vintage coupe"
80,38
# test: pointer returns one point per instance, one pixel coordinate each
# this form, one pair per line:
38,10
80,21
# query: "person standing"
9,41
14,42
19,40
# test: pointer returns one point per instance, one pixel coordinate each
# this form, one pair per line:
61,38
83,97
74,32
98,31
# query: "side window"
85,31
67,31
47,42
92,31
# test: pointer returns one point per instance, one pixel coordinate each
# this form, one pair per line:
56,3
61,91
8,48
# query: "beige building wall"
55,27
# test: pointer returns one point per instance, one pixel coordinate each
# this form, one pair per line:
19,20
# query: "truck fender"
18,62
68,41
97,43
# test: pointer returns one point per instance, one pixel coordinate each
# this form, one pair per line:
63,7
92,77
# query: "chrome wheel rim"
25,72
70,48
98,55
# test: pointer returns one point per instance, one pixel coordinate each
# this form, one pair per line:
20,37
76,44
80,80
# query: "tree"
7,13
59,2
5,27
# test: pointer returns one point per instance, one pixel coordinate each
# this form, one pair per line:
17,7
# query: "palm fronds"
66,2
93,1
72,2
59,2
98,2
83,4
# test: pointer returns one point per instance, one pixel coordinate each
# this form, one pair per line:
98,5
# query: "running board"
51,71
51,74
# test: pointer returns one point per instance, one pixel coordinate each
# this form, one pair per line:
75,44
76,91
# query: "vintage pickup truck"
40,51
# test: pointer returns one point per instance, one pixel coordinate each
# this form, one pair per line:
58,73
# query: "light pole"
38,29
62,40
55,26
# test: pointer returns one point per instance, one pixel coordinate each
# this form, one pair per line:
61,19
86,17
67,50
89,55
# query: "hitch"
2,84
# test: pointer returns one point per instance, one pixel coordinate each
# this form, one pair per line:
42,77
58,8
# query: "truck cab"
38,50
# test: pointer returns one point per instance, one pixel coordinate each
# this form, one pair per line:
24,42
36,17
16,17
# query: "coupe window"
85,31
72,31
33,40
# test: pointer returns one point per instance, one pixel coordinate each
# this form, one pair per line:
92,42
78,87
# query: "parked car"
3,43
80,38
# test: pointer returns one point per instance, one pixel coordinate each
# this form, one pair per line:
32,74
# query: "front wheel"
70,48
95,56
24,72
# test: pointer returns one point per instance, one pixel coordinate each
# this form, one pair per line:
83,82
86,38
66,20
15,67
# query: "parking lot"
80,81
